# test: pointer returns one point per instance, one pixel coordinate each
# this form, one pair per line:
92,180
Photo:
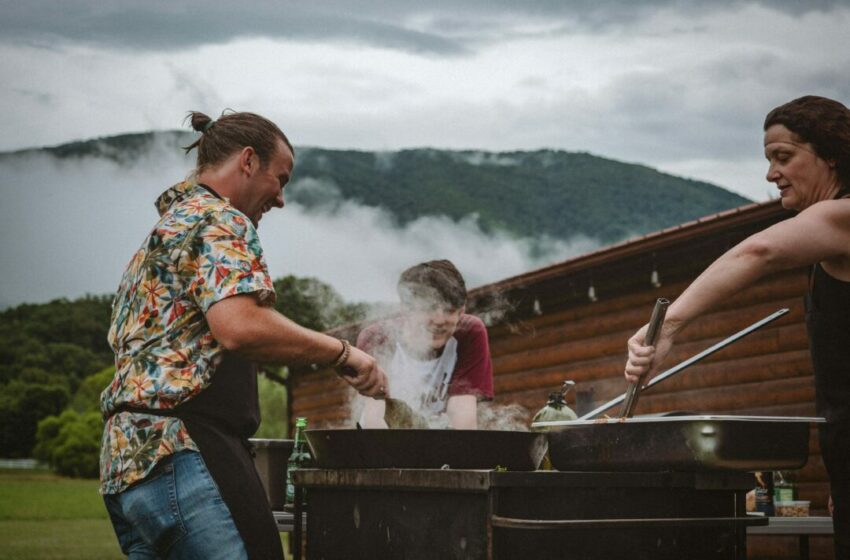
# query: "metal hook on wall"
654,278
591,292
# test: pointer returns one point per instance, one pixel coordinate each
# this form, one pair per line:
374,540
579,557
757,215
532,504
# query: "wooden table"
799,526
285,521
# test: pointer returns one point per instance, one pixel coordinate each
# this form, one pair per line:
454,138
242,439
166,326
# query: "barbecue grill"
488,514
646,488
642,488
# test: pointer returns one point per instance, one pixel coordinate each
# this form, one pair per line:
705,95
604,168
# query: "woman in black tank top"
807,145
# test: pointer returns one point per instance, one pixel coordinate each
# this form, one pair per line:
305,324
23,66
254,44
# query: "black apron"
220,419
828,326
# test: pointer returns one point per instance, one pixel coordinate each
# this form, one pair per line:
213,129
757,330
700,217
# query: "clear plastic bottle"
299,458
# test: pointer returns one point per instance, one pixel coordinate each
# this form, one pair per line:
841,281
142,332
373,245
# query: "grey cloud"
202,93
39,97
158,25
763,80
828,83
439,27
475,157
714,110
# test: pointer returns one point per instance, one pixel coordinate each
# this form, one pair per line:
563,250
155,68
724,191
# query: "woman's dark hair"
230,133
822,122
433,283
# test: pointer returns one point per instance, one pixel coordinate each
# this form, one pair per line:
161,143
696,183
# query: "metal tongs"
670,372
655,322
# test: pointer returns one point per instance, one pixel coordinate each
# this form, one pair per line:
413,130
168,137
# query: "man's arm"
473,375
462,411
262,334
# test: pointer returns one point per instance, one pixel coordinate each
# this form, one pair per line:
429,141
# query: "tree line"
55,361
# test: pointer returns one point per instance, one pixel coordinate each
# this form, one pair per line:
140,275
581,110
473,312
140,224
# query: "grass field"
48,517
44,516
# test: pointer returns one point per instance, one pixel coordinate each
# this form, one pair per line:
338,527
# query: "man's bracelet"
343,356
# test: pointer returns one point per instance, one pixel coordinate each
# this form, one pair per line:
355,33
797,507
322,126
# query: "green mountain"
531,194
544,192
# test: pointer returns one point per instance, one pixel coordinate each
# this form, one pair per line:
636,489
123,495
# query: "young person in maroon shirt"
437,357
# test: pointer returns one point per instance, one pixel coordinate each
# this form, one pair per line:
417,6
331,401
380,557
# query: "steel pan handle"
556,524
655,322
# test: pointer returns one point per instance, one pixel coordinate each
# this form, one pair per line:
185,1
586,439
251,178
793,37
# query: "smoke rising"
69,226
492,416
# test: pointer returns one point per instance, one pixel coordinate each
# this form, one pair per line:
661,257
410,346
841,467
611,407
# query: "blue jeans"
175,513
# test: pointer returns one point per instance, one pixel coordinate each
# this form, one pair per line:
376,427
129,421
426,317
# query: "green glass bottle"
299,458
783,488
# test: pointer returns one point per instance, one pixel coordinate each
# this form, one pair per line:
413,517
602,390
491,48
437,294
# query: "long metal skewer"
673,370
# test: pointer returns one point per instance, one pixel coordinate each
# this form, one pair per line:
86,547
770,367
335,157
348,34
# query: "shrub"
22,405
70,443
87,397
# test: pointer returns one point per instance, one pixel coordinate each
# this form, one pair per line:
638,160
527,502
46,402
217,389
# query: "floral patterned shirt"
201,251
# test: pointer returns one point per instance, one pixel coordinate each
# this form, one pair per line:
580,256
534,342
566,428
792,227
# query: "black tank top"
828,325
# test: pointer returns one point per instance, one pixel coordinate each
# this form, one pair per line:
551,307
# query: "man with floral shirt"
191,316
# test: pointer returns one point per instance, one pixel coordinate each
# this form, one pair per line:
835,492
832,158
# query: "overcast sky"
679,85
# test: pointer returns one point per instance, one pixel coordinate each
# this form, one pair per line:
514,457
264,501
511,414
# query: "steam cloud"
493,416
68,227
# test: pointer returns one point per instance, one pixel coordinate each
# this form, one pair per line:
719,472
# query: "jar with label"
764,492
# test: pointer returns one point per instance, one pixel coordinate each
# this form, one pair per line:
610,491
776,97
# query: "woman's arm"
820,233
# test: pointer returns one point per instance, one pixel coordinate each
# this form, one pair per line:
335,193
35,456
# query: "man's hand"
362,372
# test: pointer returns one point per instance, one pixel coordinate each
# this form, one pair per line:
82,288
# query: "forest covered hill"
531,194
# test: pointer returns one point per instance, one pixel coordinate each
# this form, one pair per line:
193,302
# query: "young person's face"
431,326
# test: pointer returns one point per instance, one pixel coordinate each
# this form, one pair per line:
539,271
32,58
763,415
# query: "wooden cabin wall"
322,397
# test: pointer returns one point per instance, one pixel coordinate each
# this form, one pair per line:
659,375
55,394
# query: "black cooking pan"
682,443
427,449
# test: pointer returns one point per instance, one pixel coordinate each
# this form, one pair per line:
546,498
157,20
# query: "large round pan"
682,443
427,449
